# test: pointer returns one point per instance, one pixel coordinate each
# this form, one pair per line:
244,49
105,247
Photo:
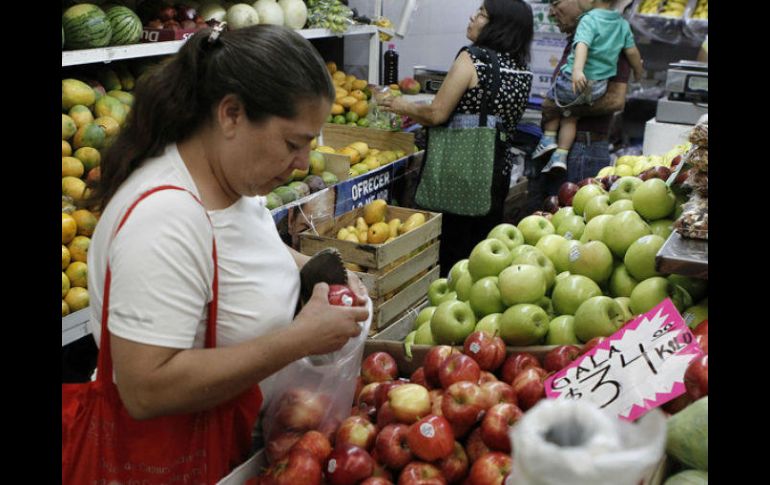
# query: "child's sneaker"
546,145
558,161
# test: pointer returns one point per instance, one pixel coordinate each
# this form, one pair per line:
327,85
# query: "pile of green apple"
565,278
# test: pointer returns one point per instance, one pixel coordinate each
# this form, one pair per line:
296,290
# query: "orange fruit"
337,109
78,248
338,77
348,85
355,157
358,94
378,233
65,257
77,298
375,211
361,108
361,147
350,78
77,272
66,148
73,187
86,222
71,167
65,284
347,101
68,228
332,67
65,309
360,84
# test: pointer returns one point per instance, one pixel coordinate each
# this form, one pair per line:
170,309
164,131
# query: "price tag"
638,368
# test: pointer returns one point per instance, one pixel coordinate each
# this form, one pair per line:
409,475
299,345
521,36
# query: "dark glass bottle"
390,71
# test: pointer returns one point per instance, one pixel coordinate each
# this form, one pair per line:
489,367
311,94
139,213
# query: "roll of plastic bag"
575,442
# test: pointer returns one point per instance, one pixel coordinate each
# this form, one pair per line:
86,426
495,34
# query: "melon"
126,26
212,11
86,27
687,433
241,15
269,12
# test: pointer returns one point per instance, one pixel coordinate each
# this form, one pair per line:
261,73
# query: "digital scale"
687,91
430,79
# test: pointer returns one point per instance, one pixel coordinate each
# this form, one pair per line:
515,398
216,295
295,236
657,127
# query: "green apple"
550,245
537,258
649,293
594,230
662,227
424,335
561,214
561,276
619,206
485,297
408,342
463,287
599,316
488,258
622,230
535,227
561,261
696,287
452,322
508,234
522,283
457,270
583,195
592,259
625,305
571,291
438,292
695,315
489,324
523,324
424,316
624,188
519,250
596,207
546,304
640,257
654,199
621,283
561,331
571,227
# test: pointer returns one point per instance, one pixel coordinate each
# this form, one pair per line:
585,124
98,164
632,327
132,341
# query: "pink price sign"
638,368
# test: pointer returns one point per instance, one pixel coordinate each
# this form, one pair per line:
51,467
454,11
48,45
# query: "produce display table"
680,255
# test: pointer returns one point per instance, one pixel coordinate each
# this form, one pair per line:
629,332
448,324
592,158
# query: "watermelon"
86,27
126,26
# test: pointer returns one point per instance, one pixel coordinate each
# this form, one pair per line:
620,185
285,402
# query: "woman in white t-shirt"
228,119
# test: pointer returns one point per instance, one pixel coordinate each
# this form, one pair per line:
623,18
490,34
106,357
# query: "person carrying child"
600,36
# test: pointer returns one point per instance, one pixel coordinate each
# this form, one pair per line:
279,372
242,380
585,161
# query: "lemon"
78,248
77,298
65,257
68,228
65,284
77,272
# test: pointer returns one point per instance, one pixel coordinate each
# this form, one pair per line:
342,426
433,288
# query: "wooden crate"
387,310
392,277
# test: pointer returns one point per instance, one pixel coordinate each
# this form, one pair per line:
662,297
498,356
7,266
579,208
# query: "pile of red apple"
696,377
447,424
179,17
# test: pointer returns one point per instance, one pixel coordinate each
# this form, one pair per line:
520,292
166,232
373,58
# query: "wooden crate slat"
388,311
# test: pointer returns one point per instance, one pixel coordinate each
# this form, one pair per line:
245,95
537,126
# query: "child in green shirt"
600,36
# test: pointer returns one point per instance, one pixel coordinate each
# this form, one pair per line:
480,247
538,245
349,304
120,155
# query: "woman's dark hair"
269,68
510,28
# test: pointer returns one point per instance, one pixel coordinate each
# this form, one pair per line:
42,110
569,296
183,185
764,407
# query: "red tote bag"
103,445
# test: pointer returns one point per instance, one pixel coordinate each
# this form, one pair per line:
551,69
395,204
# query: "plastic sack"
657,27
575,442
313,393
694,28
378,117
694,221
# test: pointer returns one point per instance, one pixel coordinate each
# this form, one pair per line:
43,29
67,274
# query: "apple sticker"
426,429
475,347
332,465
574,254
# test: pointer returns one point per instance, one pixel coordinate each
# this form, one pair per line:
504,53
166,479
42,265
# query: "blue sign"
361,190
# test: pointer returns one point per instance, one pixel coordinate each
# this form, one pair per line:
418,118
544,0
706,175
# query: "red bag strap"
104,365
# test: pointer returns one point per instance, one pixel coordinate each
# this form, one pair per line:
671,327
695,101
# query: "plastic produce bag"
695,28
662,28
378,117
575,442
313,393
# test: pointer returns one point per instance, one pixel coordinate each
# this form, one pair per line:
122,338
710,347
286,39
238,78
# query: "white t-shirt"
162,265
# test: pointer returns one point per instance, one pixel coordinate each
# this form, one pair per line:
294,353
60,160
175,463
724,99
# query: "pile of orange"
351,105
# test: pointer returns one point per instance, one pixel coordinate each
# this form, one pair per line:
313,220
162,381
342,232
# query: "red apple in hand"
341,295
454,468
566,192
516,363
475,446
348,465
458,367
379,367
551,204
392,448
298,467
356,430
315,443
490,469
301,409
696,378
560,357
419,473
418,377
434,359
494,426
279,443
498,392
487,350
487,376
464,403
431,438
529,387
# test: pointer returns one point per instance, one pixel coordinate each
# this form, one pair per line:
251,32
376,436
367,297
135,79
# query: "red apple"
316,444
301,409
454,468
487,376
682,177
488,351
279,444
464,403
155,24
409,402
188,25
498,392
656,172
696,378
367,398
515,363
588,180
545,214
356,430
702,328
436,401
348,465
434,359
431,438
379,367
490,469
341,295
677,404
299,466
329,427
167,13
458,368
551,204
172,25
419,473
529,387
418,377
380,470
460,430
376,481
560,357
183,12
676,161
381,393
566,193
392,448
359,388
703,342
494,426
385,416
592,343
475,446
608,181
93,177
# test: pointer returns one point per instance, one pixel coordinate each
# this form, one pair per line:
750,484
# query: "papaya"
112,107
687,435
89,157
75,92
68,127
81,115
88,135
109,79
687,477
122,96
127,79
110,125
